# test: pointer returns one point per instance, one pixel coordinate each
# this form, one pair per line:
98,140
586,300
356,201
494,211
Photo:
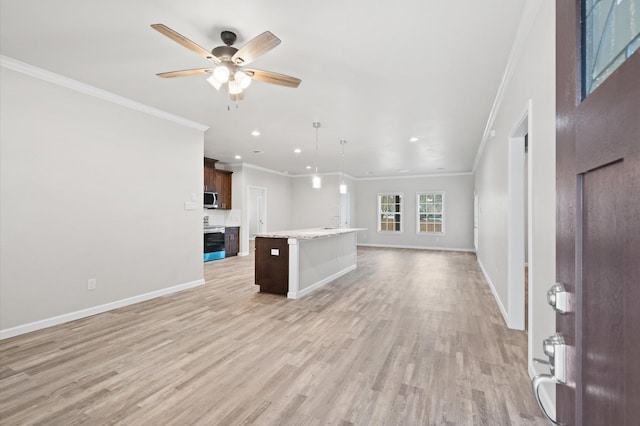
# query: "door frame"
516,226
476,222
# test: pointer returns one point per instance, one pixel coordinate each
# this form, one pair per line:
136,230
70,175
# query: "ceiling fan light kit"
214,82
243,79
221,73
234,87
230,62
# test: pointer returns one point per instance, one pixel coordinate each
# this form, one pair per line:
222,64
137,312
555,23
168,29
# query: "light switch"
275,252
190,205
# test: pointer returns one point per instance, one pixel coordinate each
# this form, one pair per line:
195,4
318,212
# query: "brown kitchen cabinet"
223,188
217,180
231,240
209,174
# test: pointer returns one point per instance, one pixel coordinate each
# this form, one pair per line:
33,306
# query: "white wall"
533,79
278,188
458,211
313,208
91,189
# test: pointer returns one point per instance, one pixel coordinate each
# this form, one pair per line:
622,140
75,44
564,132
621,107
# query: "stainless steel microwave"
210,200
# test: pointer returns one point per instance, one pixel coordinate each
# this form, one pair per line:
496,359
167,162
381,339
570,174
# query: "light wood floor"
410,337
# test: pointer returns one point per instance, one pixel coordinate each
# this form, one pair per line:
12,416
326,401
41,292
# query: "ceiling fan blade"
273,77
255,47
182,40
184,73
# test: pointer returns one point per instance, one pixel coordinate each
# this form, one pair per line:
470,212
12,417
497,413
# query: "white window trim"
378,212
444,222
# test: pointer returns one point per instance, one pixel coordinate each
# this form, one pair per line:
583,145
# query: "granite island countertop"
309,234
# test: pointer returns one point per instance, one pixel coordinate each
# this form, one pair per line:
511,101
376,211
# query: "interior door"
598,227
257,207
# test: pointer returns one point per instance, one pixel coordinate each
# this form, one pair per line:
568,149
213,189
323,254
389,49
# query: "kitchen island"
295,263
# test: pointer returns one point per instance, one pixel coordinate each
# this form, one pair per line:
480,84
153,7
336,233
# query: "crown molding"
325,174
51,77
527,19
260,168
435,175
264,169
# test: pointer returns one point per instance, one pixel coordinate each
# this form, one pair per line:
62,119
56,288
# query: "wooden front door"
598,231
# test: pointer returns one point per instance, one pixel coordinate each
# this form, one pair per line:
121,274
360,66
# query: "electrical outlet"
91,284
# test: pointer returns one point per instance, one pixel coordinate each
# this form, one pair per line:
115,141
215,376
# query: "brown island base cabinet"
272,265
294,263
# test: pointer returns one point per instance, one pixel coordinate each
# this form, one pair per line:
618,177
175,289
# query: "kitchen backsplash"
224,217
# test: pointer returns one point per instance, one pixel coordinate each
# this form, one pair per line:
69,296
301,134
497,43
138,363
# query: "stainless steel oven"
213,243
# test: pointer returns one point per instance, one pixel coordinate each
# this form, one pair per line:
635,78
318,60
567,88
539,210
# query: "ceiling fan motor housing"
224,53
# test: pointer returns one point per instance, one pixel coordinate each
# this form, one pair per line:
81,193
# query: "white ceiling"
373,72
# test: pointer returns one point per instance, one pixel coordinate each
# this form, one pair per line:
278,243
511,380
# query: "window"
389,212
610,36
430,206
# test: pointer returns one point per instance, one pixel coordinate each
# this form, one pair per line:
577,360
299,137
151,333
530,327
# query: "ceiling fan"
230,62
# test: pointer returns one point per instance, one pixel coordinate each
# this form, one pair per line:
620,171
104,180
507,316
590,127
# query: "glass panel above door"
610,35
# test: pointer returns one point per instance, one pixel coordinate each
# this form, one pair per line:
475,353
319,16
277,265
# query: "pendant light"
316,181
343,186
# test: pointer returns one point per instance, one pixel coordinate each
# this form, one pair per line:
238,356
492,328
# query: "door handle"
558,298
556,349
535,386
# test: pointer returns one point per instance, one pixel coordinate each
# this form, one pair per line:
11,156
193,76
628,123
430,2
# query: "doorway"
519,228
476,214
257,211
525,300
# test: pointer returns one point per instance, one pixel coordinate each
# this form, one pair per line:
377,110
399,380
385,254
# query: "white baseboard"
417,247
548,403
503,311
243,253
71,316
321,283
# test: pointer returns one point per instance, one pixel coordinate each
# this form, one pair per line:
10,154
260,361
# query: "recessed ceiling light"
369,173
255,133
308,167
440,168
297,151
413,139
238,157
402,170
257,151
